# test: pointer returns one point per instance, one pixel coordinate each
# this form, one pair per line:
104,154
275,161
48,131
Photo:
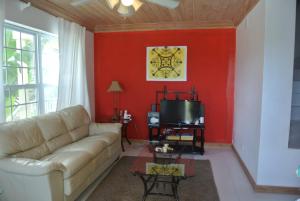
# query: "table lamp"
115,88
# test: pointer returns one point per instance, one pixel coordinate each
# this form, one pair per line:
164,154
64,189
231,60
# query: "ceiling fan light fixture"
137,4
127,2
112,3
125,11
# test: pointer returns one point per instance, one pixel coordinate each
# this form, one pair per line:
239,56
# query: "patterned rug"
121,185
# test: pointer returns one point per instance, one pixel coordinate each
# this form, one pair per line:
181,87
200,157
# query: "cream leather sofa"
54,157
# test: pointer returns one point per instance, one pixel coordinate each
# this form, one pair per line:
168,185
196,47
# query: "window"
30,72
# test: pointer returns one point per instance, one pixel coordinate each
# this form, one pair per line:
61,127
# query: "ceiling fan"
128,7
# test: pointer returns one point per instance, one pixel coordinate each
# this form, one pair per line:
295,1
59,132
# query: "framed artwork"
166,63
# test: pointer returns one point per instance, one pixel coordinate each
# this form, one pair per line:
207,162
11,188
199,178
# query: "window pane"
14,76
27,41
12,39
29,76
31,95
28,59
13,57
50,106
19,112
50,60
7,97
8,114
22,65
4,72
50,93
50,96
17,96
32,110
4,57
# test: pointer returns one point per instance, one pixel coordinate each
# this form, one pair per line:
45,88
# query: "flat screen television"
179,111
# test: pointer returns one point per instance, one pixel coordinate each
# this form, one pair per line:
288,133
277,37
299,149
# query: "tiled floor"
232,183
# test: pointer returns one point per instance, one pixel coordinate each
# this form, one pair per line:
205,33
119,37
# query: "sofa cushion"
96,166
79,133
73,161
93,147
108,137
22,139
77,121
54,131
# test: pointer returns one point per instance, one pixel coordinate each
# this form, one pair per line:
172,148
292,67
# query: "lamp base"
116,116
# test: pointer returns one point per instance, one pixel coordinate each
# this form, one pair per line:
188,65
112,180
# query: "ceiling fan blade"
165,3
137,4
125,10
78,2
112,3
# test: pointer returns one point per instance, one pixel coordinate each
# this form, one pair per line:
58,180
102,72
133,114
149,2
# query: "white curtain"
2,98
72,86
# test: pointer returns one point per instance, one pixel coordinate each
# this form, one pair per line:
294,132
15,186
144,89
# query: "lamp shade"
115,87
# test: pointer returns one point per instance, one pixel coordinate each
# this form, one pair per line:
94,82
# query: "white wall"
248,87
277,163
30,16
39,19
264,76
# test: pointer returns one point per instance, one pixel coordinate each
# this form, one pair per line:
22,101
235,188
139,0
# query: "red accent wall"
210,68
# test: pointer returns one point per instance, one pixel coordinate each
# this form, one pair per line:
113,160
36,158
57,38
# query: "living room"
240,69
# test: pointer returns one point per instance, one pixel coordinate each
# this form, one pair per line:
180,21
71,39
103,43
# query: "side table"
125,123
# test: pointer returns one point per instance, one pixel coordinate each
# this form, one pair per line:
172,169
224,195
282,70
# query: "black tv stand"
195,127
198,136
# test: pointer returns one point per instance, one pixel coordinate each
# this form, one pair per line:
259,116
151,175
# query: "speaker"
153,118
153,107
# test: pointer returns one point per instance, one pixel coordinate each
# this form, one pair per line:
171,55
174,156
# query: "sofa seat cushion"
91,146
108,137
72,160
85,175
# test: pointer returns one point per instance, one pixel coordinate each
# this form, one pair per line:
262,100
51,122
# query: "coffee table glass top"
177,168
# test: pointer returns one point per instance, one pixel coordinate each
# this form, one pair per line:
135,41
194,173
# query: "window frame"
38,85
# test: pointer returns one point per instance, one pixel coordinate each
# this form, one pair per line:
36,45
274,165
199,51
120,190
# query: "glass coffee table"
161,171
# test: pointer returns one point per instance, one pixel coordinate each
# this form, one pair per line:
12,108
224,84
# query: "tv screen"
179,111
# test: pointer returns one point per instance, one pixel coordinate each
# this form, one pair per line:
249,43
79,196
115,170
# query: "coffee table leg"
145,187
147,190
175,183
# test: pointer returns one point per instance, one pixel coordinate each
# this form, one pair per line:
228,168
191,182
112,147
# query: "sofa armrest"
29,167
99,128
27,179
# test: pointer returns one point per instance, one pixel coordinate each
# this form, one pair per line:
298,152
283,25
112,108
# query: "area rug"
121,185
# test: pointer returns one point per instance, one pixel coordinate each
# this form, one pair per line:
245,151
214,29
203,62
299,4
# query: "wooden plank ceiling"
190,14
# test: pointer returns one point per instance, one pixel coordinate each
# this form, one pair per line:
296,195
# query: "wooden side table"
125,123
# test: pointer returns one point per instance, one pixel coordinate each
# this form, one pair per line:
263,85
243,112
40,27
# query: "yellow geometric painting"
166,63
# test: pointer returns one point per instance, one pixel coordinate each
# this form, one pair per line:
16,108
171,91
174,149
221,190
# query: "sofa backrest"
77,121
23,139
37,137
54,131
